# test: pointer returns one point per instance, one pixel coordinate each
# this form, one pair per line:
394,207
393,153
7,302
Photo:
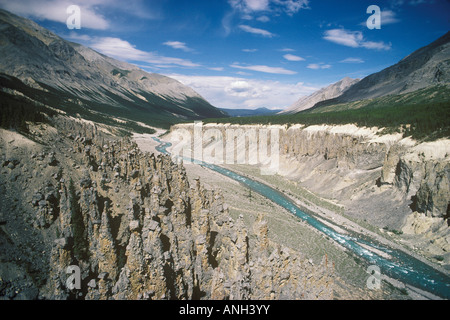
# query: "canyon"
133,223
397,186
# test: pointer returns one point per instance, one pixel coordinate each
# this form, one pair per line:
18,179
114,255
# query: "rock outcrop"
134,226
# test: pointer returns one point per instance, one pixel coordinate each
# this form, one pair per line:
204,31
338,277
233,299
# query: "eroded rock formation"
136,229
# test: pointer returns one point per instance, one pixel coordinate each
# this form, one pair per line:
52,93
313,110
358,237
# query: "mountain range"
426,67
77,76
41,67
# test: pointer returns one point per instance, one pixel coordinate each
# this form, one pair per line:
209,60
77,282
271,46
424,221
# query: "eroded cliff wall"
133,224
387,180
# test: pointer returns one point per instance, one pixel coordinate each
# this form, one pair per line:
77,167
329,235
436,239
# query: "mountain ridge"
326,93
40,58
428,65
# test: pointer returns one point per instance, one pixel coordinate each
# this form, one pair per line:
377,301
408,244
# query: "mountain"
427,66
78,77
249,112
332,91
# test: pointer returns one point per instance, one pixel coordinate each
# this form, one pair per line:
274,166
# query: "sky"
247,53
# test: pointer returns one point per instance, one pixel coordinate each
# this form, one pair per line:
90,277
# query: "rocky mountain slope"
425,67
74,195
45,62
332,91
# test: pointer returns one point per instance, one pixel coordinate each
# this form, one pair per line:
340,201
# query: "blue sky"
248,53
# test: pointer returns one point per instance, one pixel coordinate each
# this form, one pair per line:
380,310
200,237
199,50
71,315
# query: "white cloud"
123,50
177,45
292,57
91,10
239,88
292,6
54,10
249,50
344,37
354,39
261,32
318,66
262,10
352,60
263,19
266,69
376,45
388,17
239,92
248,7
257,5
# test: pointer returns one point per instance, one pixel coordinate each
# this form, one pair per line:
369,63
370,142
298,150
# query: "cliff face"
133,225
382,179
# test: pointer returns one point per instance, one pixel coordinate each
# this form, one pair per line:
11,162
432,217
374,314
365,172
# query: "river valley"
353,246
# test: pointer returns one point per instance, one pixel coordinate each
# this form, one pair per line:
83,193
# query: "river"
400,266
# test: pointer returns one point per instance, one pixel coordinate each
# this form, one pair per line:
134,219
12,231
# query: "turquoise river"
400,266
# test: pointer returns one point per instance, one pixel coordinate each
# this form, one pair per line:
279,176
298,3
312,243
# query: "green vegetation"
121,73
15,112
427,120
394,231
153,111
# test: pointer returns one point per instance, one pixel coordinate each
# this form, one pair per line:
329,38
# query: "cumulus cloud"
354,39
240,92
123,50
91,10
251,6
248,6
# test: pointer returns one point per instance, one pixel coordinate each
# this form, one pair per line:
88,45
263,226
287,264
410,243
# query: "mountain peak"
332,91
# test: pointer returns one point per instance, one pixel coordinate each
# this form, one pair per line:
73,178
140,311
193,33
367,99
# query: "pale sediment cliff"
391,182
